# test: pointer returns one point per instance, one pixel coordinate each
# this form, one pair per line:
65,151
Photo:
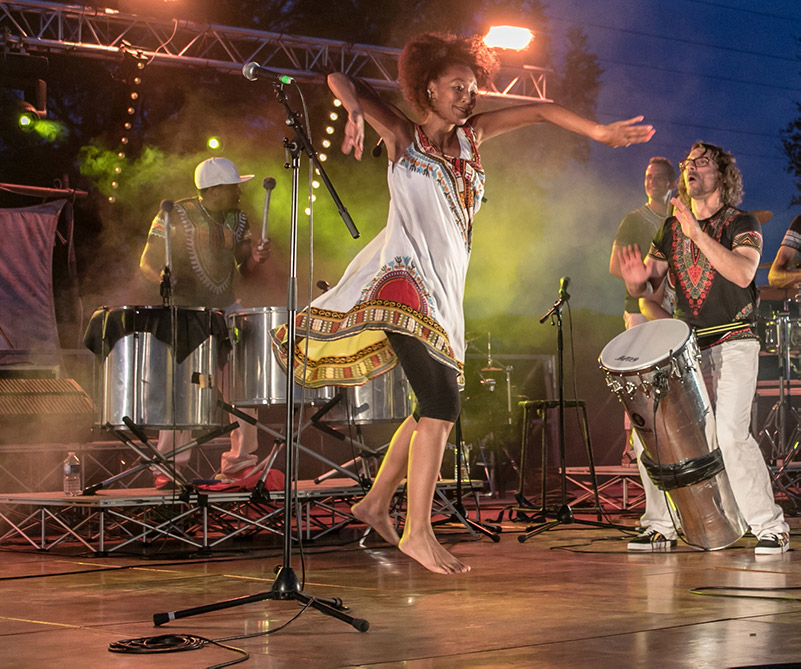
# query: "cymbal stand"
458,512
286,585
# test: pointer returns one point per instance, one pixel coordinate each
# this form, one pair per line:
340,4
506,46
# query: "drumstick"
166,207
268,184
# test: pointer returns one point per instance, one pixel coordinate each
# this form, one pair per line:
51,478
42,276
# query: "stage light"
333,116
214,143
508,37
326,143
337,102
330,130
322,157
27,121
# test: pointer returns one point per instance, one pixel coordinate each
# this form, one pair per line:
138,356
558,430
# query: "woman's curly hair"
427,56
731,180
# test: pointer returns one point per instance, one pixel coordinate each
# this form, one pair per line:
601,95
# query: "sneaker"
773,542
651,540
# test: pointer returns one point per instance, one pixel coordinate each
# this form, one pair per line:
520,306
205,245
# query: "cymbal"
762,215
774,294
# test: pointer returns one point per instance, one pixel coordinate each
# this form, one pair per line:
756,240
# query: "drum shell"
384,399
256,377
137,380
683,428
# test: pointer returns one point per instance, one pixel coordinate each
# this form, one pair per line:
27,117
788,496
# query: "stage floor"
571,597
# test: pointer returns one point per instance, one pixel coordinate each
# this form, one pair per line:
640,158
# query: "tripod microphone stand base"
562,516
285,588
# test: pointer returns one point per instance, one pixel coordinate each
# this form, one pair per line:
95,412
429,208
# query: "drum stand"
564,514
775,429
286,585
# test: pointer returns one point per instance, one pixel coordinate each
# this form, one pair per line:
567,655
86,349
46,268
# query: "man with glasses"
784,271
710,250
638,227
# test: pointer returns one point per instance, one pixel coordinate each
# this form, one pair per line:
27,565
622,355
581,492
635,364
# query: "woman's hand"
354,134
625,133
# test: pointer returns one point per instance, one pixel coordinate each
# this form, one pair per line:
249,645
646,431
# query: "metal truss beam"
30,26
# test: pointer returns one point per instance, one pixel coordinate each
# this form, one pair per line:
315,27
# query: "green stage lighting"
214,143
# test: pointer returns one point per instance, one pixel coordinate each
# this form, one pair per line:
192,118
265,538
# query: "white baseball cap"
217,172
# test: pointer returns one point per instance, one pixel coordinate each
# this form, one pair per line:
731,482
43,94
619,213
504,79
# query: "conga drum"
654,369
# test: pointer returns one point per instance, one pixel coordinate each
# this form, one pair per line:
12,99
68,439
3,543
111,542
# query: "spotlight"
214,143
333,116
326,143
330,130
26,121
337,102
508,37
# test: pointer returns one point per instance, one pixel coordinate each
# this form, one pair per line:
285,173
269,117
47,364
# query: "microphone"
376,151
564,282
253,71
323,285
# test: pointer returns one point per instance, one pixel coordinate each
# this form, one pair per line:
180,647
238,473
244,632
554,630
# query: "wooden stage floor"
571,597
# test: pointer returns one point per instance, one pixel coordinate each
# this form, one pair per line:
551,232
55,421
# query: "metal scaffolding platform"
114,519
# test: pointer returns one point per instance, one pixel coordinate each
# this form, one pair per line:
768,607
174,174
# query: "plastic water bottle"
72,474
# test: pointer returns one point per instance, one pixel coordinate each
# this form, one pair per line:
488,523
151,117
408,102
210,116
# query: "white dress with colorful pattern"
409,279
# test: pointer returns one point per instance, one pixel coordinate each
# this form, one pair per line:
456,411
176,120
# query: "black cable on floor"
173,643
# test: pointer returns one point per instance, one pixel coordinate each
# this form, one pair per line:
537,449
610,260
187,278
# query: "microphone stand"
286,585
564,514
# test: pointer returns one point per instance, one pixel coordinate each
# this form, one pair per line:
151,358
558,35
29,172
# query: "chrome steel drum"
384,399
654,370
141,377
774,333
257,378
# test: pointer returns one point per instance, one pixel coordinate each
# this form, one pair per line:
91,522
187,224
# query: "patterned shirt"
705,299
203,252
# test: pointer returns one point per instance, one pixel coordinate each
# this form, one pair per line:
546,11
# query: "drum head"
645,345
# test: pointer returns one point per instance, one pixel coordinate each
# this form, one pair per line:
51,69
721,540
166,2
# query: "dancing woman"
400,299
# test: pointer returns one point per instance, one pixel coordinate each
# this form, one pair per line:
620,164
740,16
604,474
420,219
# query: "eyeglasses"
700,161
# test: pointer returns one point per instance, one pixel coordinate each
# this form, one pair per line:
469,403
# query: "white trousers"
730,373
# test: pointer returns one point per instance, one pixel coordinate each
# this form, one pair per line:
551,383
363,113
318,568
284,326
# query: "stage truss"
112,520
48,27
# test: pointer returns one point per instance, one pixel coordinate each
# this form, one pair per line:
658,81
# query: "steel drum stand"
564,514
286,585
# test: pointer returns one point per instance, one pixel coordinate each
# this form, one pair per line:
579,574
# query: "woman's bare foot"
380,522
429,552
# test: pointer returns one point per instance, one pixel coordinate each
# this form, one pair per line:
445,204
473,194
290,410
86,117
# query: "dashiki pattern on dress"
409,279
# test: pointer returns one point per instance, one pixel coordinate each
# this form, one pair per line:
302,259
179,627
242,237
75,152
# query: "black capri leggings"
433,383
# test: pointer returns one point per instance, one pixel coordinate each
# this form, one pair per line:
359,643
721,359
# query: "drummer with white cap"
209,240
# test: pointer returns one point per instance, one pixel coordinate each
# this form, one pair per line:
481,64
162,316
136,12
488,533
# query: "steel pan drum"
654,370
257,378
141,378
384,399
